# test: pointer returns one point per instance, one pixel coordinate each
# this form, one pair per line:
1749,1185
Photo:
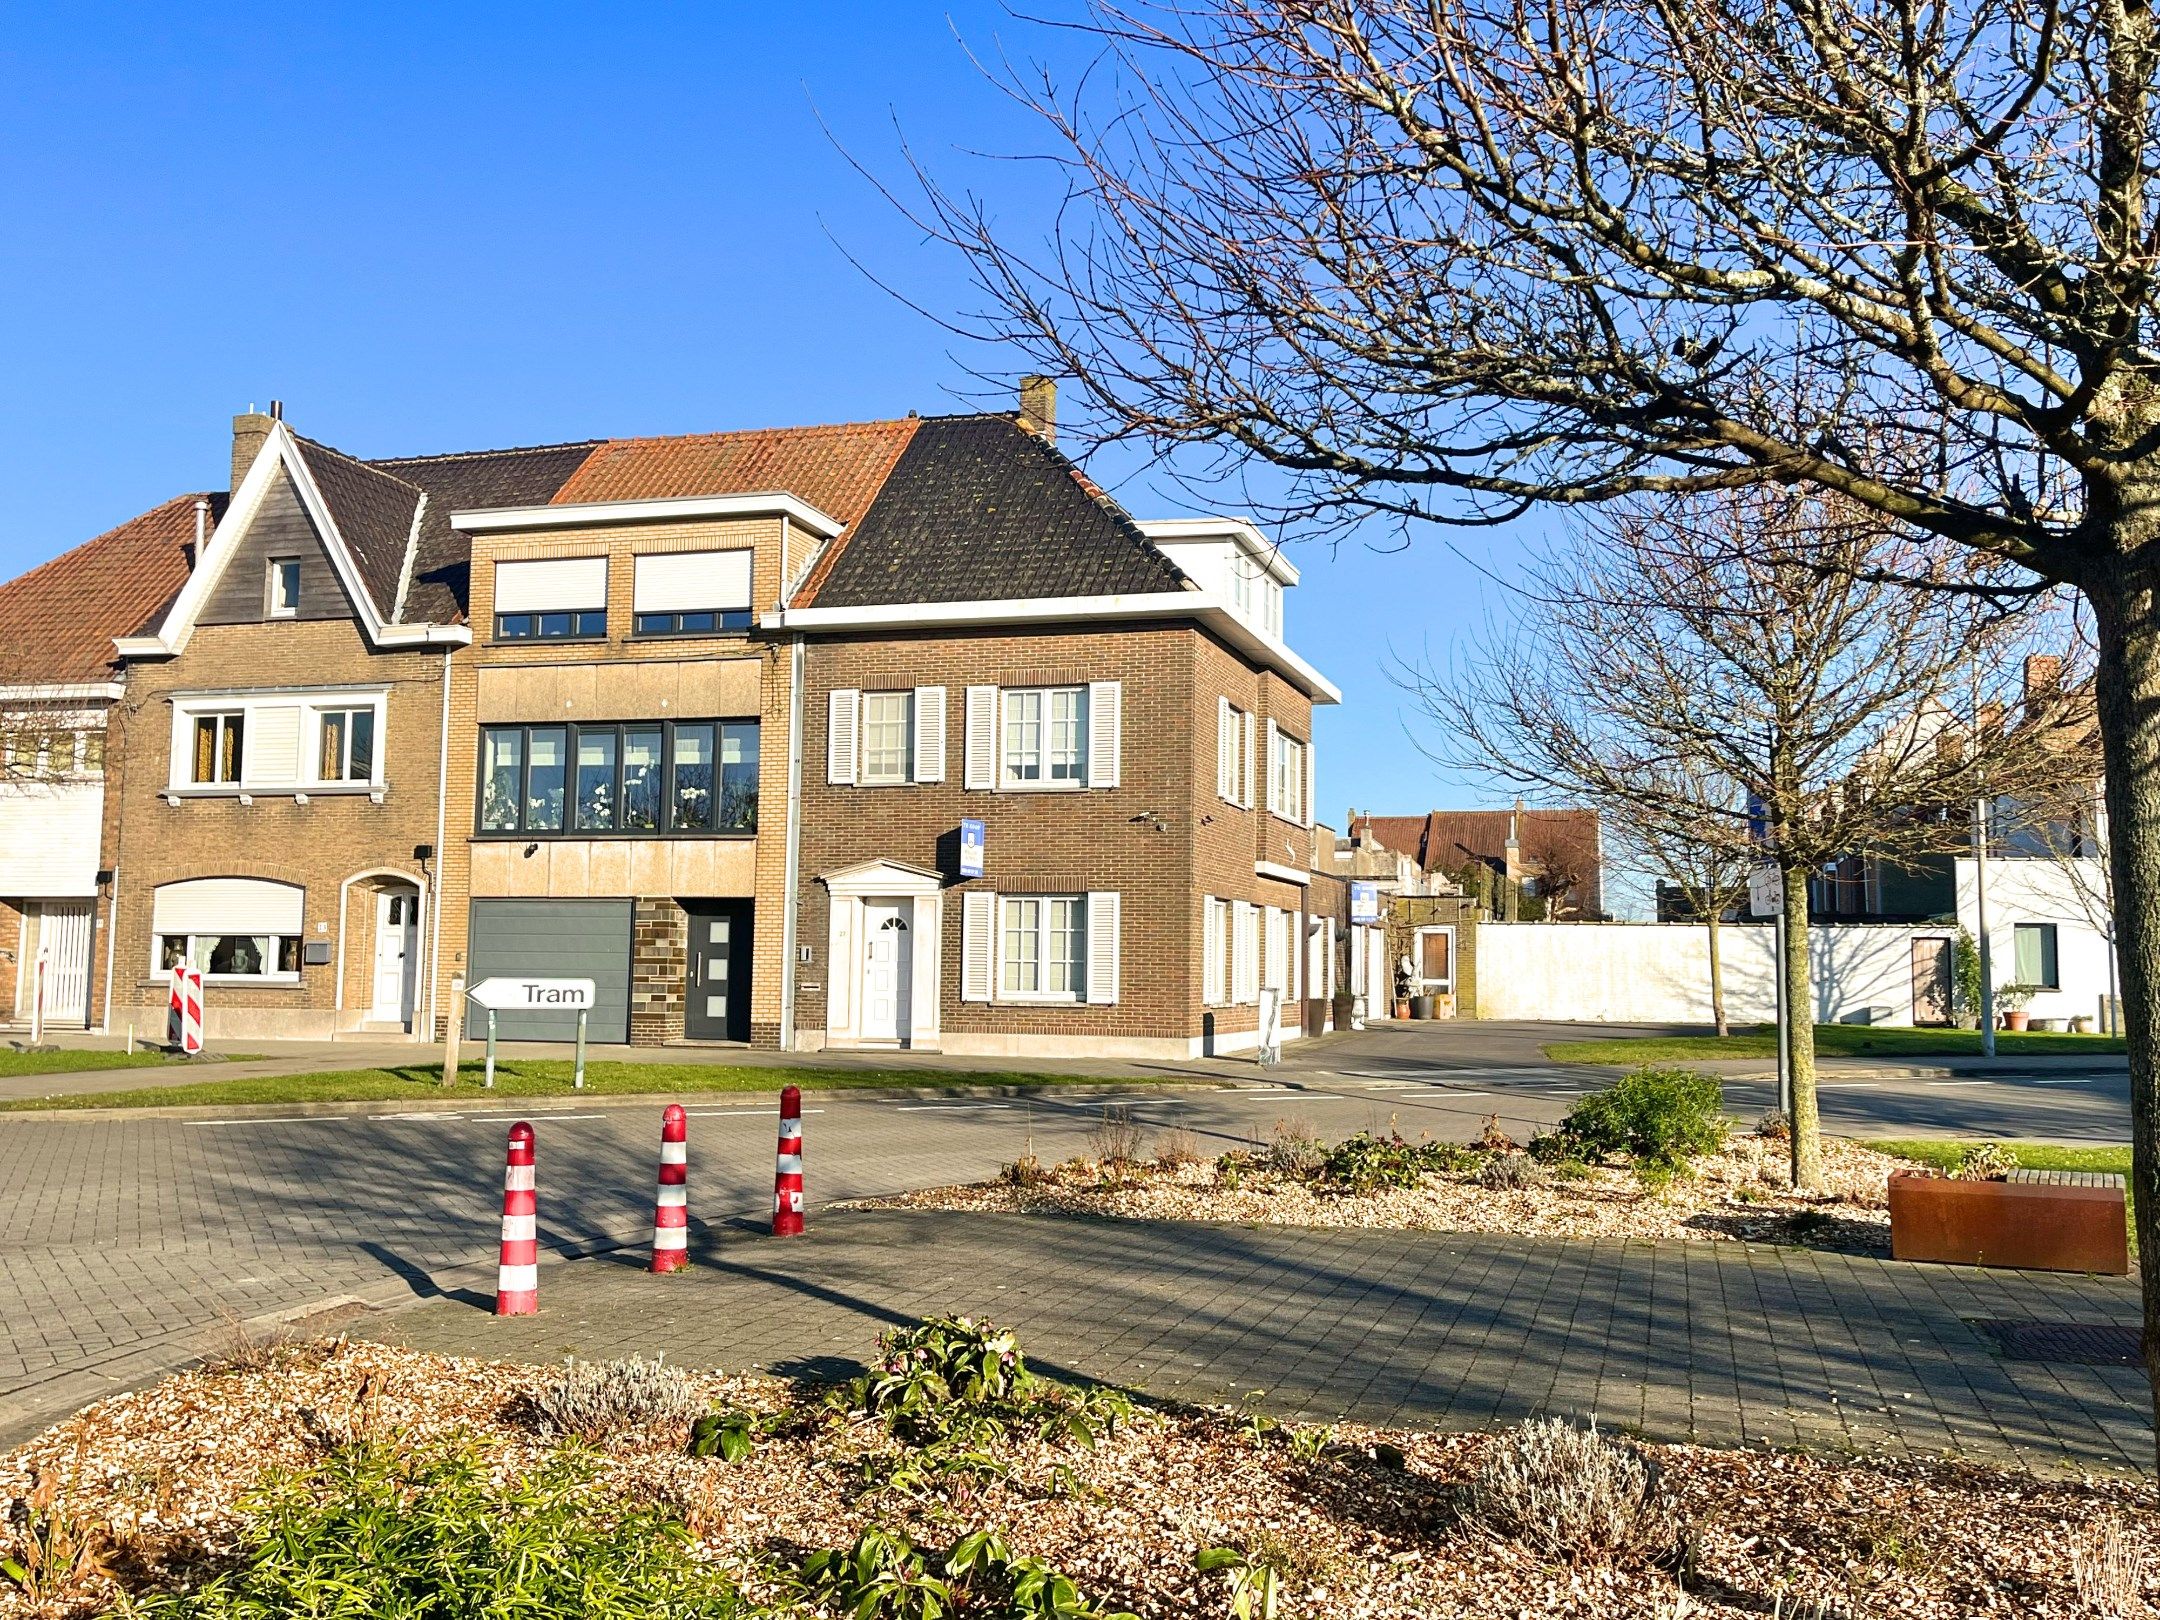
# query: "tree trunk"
2126,616
1807,1171
1717,977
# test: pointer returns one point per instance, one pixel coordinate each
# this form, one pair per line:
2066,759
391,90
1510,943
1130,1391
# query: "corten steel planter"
2028,1225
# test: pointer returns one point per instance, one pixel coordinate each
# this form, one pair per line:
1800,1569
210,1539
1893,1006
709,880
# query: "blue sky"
448,227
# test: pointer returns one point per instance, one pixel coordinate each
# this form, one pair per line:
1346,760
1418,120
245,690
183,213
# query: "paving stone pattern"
1721,1344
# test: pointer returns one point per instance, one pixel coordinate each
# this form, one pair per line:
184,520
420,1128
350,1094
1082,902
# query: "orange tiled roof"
57,622
837,469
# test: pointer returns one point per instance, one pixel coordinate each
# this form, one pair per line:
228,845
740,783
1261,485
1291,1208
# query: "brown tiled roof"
1452,840
837,469
464,482
57,622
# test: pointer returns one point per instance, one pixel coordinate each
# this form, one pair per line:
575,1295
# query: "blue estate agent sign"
971,847
1364,902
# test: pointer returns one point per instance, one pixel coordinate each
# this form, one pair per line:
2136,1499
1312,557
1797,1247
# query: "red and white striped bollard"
517,1279
787,1216
671,1214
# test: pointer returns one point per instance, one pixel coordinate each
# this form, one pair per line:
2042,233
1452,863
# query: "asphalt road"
127,1238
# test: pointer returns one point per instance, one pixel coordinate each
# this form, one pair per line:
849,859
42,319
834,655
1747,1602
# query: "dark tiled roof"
837,469
57,622
977,507
373,510
469,482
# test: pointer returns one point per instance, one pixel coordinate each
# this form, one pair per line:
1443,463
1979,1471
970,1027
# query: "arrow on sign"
534,995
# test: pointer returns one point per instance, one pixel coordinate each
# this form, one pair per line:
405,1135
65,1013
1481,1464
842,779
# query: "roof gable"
979,509
375,513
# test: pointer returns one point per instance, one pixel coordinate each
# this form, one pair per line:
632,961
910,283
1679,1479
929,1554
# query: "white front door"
64,949
888,969
397,930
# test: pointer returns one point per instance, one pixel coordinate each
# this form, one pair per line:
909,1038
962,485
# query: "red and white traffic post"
787,1220
517,1278
184,1011
671,1214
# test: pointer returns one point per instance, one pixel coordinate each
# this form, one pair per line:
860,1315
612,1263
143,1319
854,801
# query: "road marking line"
282,1119
1937,1085
946,1108
737,1113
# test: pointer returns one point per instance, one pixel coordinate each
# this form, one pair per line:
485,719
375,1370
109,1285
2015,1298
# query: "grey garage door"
555,939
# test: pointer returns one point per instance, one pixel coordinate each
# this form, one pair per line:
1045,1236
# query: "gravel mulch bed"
1741,1194
1365,1521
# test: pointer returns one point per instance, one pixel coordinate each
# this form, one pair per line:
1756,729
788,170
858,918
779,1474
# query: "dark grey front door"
716,1004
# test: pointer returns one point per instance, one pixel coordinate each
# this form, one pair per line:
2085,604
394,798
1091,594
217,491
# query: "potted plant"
2012,999
1345,1008
1975,1214
1402,988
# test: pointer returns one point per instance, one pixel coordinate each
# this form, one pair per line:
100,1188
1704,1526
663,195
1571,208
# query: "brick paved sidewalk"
1722,1344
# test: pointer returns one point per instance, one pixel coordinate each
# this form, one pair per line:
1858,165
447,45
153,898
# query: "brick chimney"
1038,406
249,431
2043,678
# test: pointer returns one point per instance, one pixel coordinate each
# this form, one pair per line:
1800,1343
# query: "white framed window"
279,742
345,744
551,599
1286,776
217,748
235,929
233,958
1043,947
281,588
1045,737
1233,754
888,725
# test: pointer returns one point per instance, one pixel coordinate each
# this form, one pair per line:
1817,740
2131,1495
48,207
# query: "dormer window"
282,589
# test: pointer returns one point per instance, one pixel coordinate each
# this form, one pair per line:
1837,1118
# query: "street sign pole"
489,1082
578,1080
1987,964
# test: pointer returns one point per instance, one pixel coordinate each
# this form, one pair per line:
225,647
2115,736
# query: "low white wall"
2043,891
1659,973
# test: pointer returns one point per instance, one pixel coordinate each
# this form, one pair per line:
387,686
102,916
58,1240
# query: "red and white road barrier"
184,1010
671,1214
787,1179
517,1280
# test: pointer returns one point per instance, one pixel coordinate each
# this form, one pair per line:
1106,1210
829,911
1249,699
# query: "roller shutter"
554,939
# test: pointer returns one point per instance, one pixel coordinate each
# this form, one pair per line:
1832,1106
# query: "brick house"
60,682
701,718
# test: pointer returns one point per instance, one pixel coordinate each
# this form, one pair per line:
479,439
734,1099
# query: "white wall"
49,838
2042,891
1660,972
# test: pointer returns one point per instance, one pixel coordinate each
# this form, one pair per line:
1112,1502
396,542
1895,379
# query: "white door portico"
883,948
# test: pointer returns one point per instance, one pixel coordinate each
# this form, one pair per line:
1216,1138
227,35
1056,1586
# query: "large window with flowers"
640,779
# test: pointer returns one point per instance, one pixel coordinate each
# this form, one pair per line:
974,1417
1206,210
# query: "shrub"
1664,1115
1366,1163
1115,1142
372,1531
1025,1171
1984,1161
2107,1572
955,1382
1512,1172
728,1433
1492,1139
59,1549
887,1576
1775,1125
1573,1494
599,1400
1294,1150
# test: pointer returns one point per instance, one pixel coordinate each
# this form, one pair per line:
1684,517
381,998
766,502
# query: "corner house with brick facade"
701,718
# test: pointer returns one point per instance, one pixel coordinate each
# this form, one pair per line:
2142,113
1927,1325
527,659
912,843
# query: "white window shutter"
1211,951
1305,787
1267,769
979,746
978,944
1102,946
843,707
929,733
1245,952
1245,795
1106,732
1225,749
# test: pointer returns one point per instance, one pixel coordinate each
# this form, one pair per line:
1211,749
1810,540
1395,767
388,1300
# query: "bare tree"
1455,258
1691,655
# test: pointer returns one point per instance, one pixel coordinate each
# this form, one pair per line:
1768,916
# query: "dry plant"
1512,1172
57,1546
2107,1572
1492,1138
239,1345
1294,1148
1176,1148
599,1401
1573,1494
1115,1142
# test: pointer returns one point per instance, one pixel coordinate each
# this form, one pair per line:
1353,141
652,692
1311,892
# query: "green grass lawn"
1831,1040
533,1077
69,1059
